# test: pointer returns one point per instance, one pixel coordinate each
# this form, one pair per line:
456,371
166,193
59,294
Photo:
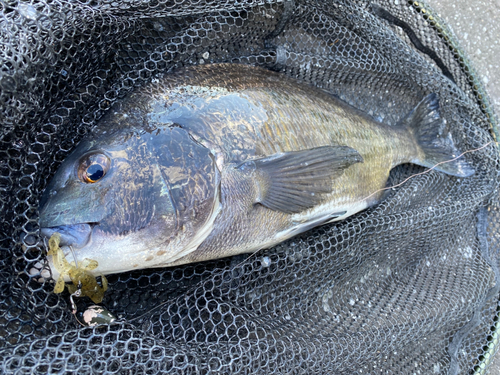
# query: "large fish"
218,160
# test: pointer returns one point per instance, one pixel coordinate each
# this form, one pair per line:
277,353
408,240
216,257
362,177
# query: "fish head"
131,198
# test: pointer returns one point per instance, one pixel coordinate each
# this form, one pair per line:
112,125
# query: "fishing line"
395,186
426,171
375,192
74,255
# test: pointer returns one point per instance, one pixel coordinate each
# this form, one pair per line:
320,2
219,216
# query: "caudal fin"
434,139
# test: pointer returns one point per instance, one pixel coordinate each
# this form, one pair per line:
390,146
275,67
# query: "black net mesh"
407,287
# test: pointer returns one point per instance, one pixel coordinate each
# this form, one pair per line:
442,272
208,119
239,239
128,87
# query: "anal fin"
301,227
329,218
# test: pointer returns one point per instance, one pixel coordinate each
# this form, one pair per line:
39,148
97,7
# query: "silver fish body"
218,160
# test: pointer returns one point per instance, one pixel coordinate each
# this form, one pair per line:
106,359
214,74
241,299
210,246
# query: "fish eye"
93,167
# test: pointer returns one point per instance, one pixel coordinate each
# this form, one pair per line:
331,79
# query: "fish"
216,160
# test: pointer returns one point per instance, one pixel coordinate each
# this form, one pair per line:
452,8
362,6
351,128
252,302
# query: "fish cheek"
130,200
162,194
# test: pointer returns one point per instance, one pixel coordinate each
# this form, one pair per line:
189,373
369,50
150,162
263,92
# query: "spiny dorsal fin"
294,181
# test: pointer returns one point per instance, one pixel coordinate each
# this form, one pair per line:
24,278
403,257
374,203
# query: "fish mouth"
75,235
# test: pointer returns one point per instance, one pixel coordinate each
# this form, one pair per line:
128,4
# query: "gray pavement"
476,24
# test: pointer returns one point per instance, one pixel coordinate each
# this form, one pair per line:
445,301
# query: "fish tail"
434,139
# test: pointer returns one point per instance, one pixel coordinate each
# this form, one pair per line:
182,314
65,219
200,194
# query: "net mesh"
410,286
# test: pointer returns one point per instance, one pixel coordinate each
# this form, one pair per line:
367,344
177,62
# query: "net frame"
23,110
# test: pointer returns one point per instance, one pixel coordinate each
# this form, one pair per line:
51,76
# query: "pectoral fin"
294,181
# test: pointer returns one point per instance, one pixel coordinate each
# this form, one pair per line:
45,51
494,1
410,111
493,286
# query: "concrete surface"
476,23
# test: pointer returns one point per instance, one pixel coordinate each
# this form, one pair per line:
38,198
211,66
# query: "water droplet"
265,261
158,26
28,11
326,297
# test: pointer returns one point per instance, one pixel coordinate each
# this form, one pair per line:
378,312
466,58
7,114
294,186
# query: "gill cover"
191,179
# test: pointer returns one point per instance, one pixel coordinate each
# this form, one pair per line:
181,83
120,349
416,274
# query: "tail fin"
434,139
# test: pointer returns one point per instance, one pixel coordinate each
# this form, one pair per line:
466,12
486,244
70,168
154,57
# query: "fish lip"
75,235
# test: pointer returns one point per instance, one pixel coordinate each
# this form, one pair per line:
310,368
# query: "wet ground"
477,26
